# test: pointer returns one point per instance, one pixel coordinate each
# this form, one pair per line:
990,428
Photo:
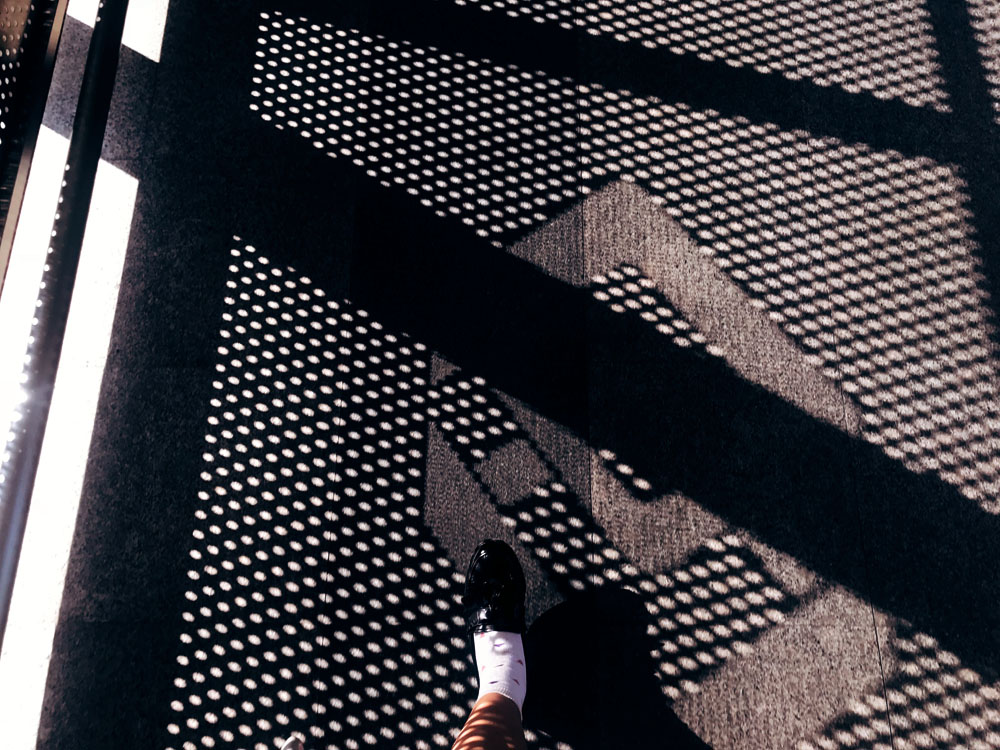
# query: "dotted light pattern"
15,25
474,421
628,290
935,703
985,18
491,144
17,28
863,257
318,602
702,613
882,48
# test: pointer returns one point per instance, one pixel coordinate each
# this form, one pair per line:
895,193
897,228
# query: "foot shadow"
592,681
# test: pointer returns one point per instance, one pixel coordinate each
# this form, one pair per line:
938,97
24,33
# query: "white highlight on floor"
41,575
144,23
20,290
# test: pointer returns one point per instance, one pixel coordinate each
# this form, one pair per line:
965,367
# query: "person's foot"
494,590
494,616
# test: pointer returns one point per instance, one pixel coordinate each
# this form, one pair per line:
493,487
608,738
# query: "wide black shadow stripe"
737,91
687,422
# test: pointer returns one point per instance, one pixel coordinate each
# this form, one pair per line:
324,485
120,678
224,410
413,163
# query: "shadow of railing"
686,422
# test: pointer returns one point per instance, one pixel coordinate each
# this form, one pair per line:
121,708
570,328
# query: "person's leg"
494,724
494,612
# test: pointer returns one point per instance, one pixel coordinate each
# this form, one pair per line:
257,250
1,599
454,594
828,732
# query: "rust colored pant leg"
494,724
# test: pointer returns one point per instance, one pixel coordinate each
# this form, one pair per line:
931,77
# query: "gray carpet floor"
691,303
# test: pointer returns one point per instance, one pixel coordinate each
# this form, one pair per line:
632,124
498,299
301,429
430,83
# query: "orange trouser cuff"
494,724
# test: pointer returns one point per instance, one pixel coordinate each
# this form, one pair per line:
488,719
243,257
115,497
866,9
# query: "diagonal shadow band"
737,450
742,453
966,82
964,74
733,91
686,422
966,136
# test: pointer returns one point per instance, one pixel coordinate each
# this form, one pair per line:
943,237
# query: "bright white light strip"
38,588
31,241
144,23
41,574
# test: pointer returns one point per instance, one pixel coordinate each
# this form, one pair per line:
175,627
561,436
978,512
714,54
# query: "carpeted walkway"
692,303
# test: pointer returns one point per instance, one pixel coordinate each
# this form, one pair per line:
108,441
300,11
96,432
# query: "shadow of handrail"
687,423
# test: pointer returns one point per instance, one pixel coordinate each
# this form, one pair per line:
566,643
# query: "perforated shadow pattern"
985,18
885,49
318,600
703,613
628,290
864,258
16,23
317,597
935,702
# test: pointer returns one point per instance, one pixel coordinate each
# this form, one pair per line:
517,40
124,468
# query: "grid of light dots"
985,18
703,613
863,257
627,289
318,601
719,601
936,703
279,658
15,24
882,48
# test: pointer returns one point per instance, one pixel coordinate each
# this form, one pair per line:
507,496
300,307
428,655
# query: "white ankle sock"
500,665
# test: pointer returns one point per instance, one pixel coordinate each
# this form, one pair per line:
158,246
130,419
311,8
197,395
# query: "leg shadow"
592,681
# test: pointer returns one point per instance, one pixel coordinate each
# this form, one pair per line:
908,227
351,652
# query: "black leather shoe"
494,590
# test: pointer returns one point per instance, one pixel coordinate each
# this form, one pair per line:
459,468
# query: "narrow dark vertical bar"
56,289
37,62
974,128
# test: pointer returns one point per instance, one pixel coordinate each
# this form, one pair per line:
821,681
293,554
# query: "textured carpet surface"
692,303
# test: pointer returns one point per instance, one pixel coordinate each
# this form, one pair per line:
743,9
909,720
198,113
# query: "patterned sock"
500,664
